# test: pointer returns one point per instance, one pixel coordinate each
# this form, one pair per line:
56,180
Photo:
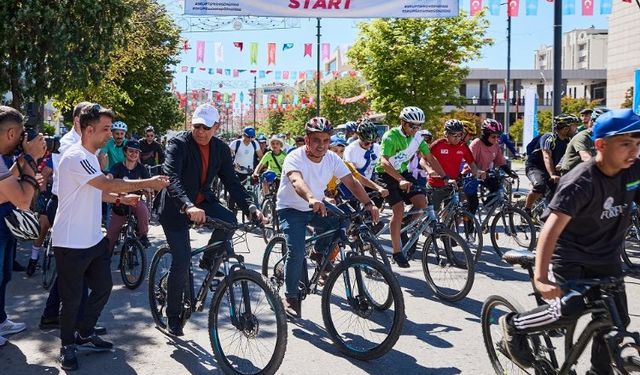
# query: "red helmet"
491,126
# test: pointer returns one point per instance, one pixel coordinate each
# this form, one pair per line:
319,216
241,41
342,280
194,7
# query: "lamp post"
474,100
507,94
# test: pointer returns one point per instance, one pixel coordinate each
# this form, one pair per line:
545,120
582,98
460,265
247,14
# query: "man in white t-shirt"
79,246
364,153
245,152
305,174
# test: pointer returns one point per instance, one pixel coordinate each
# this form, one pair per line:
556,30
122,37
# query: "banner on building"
636,92
530,128
325,9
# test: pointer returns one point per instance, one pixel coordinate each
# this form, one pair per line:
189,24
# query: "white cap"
205,114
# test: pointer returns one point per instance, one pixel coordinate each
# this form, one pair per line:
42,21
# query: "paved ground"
438,338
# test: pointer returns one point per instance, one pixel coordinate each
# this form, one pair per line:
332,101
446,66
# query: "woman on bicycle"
272,161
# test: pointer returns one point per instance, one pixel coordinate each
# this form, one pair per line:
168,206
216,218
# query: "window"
463,90
582,59
581,47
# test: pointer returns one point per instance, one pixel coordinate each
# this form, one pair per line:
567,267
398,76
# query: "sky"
528,34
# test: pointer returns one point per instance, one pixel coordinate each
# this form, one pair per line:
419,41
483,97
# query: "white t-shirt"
315,175
244,156
79,214
67,140
355,154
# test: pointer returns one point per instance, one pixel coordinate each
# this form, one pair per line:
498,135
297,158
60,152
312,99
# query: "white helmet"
23,224
119,125
413,115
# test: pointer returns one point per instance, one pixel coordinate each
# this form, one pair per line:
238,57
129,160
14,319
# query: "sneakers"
68,359
515,345
49,323
174,326
93,342
31,267
9,327
292,307
401,260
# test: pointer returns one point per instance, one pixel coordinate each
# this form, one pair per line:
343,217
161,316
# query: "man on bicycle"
583,235
193,159
581,147
151,152
113,152
399,145
272,161
305,174
365,152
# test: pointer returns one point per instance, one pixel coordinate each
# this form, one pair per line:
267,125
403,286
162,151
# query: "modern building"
581,49
624,51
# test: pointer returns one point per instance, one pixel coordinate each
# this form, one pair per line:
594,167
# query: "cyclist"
427,136
113,151
246,154
582,236
272,161
470,131
151,152
544,154
130,169
581,147
586,117
262,141
350,130
305,174
364,153
398,146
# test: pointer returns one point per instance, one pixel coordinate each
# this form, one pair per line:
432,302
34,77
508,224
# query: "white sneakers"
9,327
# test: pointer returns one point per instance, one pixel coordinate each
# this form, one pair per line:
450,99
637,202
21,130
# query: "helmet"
119,125
269,176
23,224
318,125
261,138
469,127
366,130
491,126
413,115
249,132
564,120
453,126
598,111
351,126
149,129
337,140
426,133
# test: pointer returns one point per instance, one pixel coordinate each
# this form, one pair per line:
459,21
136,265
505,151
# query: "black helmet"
366,130
563,120
453,126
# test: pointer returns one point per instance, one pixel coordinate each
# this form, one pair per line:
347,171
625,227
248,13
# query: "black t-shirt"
121,171
599,207
148,152
549,142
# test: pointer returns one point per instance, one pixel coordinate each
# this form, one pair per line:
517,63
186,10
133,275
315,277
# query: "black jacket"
183,165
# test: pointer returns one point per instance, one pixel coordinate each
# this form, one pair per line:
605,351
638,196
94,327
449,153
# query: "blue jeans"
7,249
293,224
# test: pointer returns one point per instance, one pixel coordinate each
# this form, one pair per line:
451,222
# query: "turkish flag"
587,7
512,10
476,7
308,49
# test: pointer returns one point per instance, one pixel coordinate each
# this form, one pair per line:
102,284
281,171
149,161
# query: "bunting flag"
261,74
253,71
238,45
253,55
605,7
184,69
279,99
476,7
587,7
211,71
287,46
285,74
568,7
200,51
265,99
271,53
235,73
227,72
532,7
294,74
219,71
219,55
326,51
301,75
241,96
514,6
278,74
192,69
308,50
185,46
494,7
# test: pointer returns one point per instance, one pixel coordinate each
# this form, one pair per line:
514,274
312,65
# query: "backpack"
255,153
534,145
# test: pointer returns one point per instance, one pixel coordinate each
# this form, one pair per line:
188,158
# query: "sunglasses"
454,135
415,126
367,143
494,136
198,126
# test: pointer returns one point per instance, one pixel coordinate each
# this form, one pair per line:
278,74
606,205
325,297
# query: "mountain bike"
133,260
48,262
247,324
631,251
362,303
596,294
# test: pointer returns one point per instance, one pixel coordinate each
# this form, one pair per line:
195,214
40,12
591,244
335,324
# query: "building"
581,49
484,89
624,51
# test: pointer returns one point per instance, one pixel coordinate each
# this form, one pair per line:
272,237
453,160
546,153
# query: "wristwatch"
186,206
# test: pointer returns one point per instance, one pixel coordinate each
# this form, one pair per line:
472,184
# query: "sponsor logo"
633,185
609,211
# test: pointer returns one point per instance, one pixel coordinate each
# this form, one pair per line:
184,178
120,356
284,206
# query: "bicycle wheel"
247,325
517,230
269,211
447,264
631,253
158,278
48,264
133,263
273,262
365,332
372,248
492,309
467,226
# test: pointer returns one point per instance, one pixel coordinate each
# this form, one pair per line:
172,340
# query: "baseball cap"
616,122
586,110
133,144
205,114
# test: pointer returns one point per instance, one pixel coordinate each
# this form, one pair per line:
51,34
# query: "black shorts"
52,207
539,179
395,194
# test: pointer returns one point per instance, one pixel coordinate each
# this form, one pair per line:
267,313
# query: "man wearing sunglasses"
151,153
193,158
399,145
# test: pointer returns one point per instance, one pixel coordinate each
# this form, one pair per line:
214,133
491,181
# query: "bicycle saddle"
523,258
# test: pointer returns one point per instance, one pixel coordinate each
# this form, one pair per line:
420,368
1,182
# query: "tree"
135,85
628,98
49,47
274,122
295,119
345,87
417,61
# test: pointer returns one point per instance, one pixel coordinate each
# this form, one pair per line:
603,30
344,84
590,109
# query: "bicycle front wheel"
133,263
158,276
247,325
356,326
467,226
269,211
370,247
515,230
447,264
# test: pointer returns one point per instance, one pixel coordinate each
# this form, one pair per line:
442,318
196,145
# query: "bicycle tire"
631,251
132,253
273,303
472,234
273,261
446,257
526,224
396,321
49,270
157,291
377,252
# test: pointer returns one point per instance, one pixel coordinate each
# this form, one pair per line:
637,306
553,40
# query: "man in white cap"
193,158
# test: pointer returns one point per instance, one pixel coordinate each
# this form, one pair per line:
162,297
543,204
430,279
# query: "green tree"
345,87
628,98
417,61
295,119
274,122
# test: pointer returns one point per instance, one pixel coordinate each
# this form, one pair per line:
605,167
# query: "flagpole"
186,102
507,114
318,72
557,56
255,94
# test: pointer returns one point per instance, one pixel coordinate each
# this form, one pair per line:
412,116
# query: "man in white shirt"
79,246
305,174
364,153
245,152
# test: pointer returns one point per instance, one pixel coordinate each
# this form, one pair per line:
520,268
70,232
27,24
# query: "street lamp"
474,100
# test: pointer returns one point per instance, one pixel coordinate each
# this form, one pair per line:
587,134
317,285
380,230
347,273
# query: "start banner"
325,8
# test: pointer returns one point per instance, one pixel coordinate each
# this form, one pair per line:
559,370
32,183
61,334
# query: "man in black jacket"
192,160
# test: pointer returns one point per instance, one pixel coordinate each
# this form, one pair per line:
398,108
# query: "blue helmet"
249,132
337,140
351,126
269,176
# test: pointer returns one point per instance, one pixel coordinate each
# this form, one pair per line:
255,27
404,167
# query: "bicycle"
243,309
48,262
133,260
631,251
269,211
596,294
359,293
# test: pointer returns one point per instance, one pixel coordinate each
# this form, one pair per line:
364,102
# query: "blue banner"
605,7
636,92
568,7
494,7
532,7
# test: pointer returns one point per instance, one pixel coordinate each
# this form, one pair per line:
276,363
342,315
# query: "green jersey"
400,148
114,152
273,162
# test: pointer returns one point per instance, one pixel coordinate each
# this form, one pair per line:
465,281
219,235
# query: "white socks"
35,251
